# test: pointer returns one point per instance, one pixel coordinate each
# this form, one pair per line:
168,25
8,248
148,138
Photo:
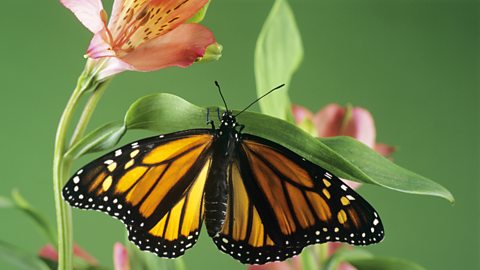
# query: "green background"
413,64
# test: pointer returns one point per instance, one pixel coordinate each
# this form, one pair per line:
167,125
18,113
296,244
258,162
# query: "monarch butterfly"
260,201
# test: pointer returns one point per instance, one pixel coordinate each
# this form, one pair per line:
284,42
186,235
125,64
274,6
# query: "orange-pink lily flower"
142,35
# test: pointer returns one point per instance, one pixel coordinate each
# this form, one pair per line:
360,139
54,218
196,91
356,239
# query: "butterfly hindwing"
281,202
155,186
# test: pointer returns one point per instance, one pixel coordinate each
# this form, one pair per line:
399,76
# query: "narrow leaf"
22,204
20,259
343,157
376,263
100,139
382,171
278,54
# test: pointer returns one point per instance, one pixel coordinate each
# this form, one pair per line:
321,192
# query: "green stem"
88,110
60,166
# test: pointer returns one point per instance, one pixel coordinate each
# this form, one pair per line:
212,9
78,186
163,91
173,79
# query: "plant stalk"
62,164
88,110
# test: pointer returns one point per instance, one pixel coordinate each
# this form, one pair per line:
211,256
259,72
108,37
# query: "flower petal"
361,126
301,114
80,253
111,67
384,149
136,22
99,47
120,257
328,120
89,12
48,252
180,47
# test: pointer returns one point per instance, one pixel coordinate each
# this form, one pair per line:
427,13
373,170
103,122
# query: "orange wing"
279,203
155,186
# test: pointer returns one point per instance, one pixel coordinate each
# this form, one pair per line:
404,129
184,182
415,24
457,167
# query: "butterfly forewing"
155,186
279,203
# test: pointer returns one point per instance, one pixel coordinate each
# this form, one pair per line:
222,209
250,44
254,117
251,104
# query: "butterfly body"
261,202
224,145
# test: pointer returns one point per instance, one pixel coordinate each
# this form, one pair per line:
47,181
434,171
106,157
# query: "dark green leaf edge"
377,166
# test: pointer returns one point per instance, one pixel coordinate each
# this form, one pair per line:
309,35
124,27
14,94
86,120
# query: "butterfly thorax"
216,188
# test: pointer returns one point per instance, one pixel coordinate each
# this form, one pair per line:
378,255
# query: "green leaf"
382,171
200,15
345,255
278,54
40,220
164,113
100,139
20,259
342,156
376,263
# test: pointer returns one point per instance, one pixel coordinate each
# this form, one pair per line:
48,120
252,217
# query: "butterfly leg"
218,114
241,128
210,122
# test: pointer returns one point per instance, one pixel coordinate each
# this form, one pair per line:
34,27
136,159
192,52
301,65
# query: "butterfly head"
228,119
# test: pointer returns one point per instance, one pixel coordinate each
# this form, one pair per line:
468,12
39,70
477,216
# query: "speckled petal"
134,22
180,47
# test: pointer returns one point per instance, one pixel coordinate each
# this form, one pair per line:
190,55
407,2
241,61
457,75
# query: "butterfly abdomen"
216,188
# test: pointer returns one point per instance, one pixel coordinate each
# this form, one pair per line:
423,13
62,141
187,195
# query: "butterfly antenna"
220,91
256,100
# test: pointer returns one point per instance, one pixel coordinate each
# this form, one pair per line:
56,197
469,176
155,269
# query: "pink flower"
335,120
50,253
292,264
120,257
142,35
